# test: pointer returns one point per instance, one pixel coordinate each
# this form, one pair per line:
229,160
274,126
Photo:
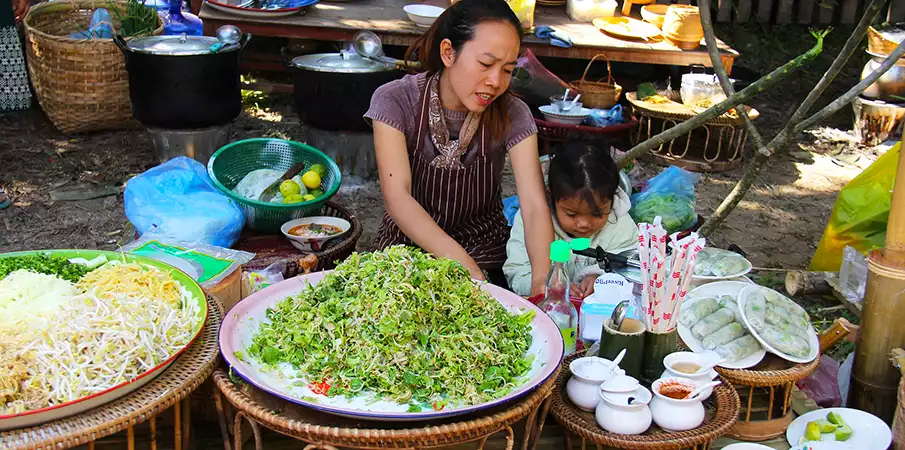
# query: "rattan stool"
329,432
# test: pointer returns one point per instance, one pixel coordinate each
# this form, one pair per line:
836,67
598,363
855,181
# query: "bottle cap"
560,251
580,244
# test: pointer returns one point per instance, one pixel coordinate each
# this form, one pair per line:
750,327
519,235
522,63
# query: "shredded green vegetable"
46,264
402,325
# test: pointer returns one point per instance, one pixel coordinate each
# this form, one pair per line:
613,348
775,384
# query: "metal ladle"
228,35
619,314
369,45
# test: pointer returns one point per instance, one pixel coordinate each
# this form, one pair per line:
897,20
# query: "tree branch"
852,44
855,91
714,52
714,111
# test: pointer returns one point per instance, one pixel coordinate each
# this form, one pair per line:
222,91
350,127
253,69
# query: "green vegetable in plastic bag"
669,195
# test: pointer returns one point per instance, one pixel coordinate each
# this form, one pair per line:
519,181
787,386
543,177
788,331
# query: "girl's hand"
586,287
538,286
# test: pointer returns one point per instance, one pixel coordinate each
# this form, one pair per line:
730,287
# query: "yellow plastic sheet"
860,214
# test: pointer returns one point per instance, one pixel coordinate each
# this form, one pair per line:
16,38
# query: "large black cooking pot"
333,90
179,82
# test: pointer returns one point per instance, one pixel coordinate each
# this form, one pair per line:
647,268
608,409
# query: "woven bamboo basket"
81,84
598,94
721,413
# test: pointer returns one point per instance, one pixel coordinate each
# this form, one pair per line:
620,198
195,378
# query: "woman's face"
481,71
580,219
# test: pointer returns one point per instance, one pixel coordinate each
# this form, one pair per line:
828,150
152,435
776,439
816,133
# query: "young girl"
587,202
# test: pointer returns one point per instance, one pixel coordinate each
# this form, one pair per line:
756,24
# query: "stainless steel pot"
892,83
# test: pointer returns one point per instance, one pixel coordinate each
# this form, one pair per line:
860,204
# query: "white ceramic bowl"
574,117
423,15
314,244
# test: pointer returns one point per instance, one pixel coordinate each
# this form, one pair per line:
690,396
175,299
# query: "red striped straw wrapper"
694,249
644,260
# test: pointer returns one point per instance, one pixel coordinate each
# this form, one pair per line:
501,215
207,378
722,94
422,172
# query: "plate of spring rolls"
718,264
779,324
710,320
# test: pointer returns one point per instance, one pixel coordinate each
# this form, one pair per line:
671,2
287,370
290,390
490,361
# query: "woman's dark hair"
458,24
580,168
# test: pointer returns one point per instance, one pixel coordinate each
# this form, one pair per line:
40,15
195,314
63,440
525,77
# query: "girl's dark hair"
580,168
458,24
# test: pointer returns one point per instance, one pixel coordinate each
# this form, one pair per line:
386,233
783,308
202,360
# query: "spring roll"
724,335
739,348
713,322
728,265
786,342
756,309
692,314
728,301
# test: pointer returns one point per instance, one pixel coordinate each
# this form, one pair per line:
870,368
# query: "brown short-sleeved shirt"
467,203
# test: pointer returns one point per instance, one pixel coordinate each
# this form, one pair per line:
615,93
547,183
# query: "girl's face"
580,219
481,71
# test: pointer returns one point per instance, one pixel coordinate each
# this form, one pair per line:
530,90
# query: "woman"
14,91
442,137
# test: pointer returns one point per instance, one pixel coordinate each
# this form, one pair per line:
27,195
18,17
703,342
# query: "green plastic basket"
231,163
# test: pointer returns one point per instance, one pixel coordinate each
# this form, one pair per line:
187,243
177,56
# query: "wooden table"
339,21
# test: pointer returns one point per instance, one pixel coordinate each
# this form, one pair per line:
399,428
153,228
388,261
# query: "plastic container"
853,274
588,10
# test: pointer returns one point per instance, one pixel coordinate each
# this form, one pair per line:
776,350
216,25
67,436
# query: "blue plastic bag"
99,27
604,117
510,208
669,195
177,200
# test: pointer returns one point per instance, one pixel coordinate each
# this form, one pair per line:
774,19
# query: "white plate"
812,335
868,431
243,320
747,269
747,446
821,445
717,289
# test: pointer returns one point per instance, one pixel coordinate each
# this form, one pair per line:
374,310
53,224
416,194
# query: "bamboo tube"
895,228
874,380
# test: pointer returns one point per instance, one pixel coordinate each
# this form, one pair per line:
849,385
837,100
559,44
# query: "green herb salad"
398,325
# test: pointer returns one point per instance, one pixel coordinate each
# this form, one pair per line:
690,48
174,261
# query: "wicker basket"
232,163
81,84
598,94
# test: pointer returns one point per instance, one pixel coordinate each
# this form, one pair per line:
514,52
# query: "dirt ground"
779,223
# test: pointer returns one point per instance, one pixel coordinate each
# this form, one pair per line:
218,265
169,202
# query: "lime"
319,169
316,193
311,180
308,197
294,198
290,187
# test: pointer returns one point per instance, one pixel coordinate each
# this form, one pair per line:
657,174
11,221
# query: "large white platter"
812,334
868,431
242,322
716,289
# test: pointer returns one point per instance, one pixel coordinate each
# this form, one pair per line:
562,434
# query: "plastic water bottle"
180,22
556,302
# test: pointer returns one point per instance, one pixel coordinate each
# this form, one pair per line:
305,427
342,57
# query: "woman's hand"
20,7
586,287
538,286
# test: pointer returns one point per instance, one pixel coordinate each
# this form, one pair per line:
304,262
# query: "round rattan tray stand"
722,412
714,147
169,389
766,394
328,432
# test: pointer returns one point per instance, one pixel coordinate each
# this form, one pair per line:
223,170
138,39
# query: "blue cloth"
510,208
557,38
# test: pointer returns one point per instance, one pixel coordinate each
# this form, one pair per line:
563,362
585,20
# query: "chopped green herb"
402,325
46,264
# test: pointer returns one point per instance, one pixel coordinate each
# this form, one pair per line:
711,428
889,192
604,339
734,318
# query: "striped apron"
466,203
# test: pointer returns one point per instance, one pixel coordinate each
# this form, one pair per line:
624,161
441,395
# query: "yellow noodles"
133,280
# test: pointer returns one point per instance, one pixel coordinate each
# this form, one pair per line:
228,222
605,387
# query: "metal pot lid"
175,45
343,62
